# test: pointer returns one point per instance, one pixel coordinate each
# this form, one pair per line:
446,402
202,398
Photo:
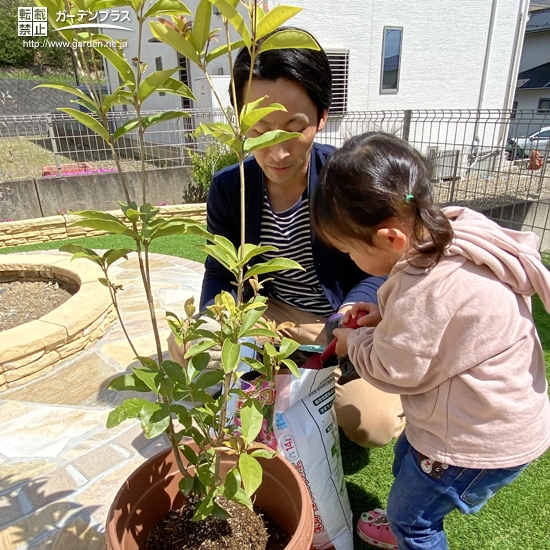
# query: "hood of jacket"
512,256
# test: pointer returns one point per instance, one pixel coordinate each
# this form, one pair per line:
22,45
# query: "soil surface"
244,530
24,301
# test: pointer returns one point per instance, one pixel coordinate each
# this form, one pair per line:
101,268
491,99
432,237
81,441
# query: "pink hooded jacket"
459,345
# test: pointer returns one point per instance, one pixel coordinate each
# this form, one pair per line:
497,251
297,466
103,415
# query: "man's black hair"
308,68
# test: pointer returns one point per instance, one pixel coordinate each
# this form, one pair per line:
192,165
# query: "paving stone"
16,473
35,525
75,535
10,509
99,460
53,486
133,439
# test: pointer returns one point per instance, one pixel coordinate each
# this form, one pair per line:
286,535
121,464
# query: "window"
544,105
514,109
339,66
184,77
158,67
391,60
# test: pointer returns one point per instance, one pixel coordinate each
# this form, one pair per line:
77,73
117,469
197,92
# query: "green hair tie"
409,197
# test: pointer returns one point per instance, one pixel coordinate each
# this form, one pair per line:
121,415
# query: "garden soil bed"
25,301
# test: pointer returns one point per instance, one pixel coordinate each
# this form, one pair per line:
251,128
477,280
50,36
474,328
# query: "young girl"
455,339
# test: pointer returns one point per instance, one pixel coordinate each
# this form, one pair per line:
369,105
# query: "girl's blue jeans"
418,502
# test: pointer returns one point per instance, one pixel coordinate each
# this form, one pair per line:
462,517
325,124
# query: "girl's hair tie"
409,197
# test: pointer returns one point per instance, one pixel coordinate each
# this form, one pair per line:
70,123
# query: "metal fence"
478,157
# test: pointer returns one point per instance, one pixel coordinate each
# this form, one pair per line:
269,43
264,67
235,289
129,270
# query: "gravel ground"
24,301
484,189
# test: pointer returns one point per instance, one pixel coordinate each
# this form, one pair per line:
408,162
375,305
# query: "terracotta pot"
152,490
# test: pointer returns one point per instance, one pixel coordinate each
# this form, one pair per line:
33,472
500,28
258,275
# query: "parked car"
524,145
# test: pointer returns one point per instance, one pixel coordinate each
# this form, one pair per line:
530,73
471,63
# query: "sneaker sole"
374,542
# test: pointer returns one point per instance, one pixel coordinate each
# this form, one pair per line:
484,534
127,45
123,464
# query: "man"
279,182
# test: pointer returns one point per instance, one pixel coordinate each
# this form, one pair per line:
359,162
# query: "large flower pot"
152,490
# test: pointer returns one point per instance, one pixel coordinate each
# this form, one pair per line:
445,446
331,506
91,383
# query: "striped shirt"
290,232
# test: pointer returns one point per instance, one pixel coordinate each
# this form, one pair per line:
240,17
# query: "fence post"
406,124
453,181
54,145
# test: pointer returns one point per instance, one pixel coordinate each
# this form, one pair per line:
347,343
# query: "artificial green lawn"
516,518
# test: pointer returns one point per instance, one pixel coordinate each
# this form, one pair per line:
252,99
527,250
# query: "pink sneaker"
373,528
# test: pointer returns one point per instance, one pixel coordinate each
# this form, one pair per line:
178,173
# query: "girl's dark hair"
373,177
308,68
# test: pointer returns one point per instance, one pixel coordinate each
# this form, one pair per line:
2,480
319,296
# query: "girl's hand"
342,335
371,319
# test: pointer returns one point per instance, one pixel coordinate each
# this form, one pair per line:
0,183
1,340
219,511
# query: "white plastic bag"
307,433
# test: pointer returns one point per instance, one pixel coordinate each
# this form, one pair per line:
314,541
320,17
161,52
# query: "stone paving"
60,467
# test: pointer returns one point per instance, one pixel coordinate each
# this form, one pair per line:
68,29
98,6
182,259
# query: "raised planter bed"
32,349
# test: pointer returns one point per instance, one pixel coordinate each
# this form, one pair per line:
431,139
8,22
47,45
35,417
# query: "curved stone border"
52,228
29,350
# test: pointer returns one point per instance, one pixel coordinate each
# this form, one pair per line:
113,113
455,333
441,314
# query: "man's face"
286,163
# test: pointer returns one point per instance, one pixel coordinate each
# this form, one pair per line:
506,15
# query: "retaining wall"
33,198
54,228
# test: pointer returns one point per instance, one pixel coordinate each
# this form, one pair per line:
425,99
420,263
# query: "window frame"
384,33
545,109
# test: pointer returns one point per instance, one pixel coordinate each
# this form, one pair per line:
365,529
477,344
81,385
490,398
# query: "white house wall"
443,49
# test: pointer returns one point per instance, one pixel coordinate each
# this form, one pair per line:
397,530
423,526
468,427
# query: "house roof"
539,21
537,77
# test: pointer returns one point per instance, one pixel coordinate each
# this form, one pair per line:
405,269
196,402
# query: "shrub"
204,166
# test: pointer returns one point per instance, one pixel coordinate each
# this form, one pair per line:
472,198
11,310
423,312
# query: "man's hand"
371,319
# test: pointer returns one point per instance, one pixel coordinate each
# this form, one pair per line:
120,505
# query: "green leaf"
200,361
118,228
175,372
186,485
275,18
264,453
119,97
219,513
90,122
224,49
230,356
203,510
292,367
147,121
268,139
128,382
289,39
277,264
79,249
251,473
152,378
97,215
155,419
229,11
233,489
167,7
201,25
250,319
175,87
169,36
199,347
183,415
209,379
226,245
288,346
114,255
265,332
119,63
128,409
68,89
253,250
252,118
190,454
153,81
251,420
